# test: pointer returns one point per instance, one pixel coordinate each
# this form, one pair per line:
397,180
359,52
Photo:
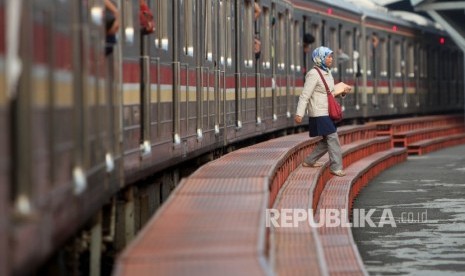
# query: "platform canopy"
450,14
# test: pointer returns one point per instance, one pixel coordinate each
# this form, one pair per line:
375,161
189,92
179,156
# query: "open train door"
264,23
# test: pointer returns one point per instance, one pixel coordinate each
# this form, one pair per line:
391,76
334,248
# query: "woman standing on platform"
320,124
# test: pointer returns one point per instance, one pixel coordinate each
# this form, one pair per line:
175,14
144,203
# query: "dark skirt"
321,126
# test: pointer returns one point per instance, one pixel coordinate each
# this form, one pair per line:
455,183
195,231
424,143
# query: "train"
82,129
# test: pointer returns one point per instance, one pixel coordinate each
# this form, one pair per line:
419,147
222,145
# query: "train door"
369,70
410,82
49,101
156,111
226,103
30,107
207,73
52,95
187,52
163,73
281,108
445,88
245,70
264,74
456,90
296,50
346,58
451,79
315,26
332,40
100,132
396,81
381,95
389,99
198,74
135,73
433,79
421,74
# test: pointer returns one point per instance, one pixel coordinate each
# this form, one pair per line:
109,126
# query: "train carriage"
83,127
60,139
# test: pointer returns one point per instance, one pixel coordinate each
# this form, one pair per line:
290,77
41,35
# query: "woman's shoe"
314,165
339,173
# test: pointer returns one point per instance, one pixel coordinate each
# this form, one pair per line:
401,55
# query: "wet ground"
426,233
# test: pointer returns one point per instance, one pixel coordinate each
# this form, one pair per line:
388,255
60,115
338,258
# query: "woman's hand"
347,89
298,119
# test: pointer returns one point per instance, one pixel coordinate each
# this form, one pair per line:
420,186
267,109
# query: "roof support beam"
441,6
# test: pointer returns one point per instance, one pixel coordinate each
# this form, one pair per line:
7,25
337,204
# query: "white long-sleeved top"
315,92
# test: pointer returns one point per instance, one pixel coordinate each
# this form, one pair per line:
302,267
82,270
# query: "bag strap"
323,79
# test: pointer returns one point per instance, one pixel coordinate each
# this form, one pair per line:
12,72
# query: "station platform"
427,197
258,211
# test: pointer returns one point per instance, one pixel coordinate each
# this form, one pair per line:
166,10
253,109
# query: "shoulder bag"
334,108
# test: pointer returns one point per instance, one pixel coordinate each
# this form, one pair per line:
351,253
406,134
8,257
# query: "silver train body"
78,127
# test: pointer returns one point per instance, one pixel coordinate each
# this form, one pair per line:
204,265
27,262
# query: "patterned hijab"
319,56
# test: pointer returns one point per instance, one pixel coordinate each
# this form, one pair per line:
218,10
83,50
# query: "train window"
433,64
455,68
161,30
333,39
188,48
208,30
298,46
222,31
423,63
384,58
280,42
292,47
315,31
128,22
333,45
229,31
397,60
348,49
444,63
369,56
248,36
411,61
266,38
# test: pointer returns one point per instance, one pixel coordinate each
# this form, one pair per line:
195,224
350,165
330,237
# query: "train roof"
341,4
374,11
417,19
404,18
367,8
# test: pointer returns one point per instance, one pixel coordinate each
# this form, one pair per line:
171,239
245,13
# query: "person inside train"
111,25
257,43
307,40
257,47
257,10
320,124
147,23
